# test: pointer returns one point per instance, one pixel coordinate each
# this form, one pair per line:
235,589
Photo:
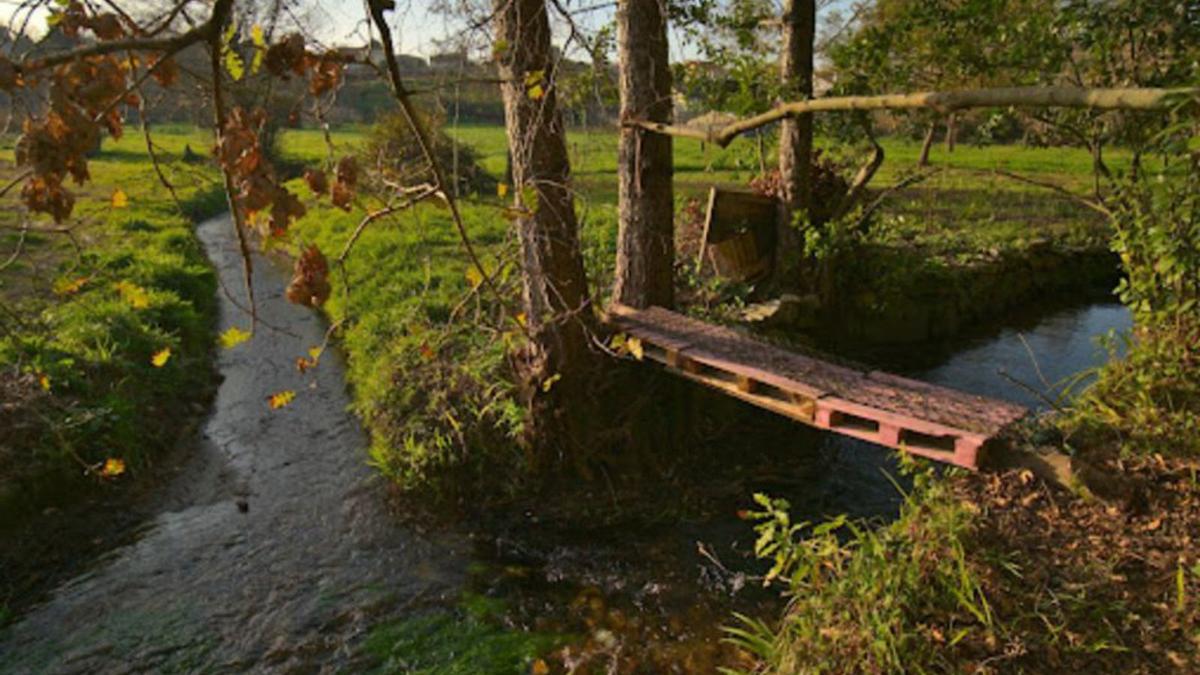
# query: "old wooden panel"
739,233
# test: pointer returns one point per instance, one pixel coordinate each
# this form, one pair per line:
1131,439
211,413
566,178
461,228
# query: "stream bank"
272,550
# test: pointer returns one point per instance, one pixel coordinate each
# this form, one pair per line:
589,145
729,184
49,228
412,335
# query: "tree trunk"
951,132
554,369
646,238
795,135
927,145
796,72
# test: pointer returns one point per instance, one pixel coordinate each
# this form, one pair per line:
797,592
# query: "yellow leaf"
634,346
256,34
160,357
548,384
539,667
281,399
502,190
113,467
315,352
135,295
63,287
536,92
44,381
520,317
233,337
474,276
119,199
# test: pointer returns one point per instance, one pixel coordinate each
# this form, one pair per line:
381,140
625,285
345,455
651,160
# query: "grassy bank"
426,350
88,308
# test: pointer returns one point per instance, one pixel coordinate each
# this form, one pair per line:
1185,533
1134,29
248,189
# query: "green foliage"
1150,399
862,597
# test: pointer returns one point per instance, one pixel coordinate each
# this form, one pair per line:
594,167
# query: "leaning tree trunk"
927,145
645,241
796,134
554,369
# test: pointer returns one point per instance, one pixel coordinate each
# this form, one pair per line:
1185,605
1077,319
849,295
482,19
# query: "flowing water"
274,548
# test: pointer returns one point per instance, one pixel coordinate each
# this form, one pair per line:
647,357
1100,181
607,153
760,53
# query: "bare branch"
941,101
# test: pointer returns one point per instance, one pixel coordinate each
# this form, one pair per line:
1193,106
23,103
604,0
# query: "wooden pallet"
924,419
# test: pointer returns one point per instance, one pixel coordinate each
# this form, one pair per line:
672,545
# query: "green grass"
79,357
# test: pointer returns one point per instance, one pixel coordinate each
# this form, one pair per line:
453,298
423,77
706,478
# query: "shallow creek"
274,549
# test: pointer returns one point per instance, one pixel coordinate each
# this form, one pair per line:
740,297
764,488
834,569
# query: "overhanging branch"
941,101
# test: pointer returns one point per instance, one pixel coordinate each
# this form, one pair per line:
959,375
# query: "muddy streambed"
274,547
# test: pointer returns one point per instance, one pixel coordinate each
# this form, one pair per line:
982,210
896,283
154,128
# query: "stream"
275,549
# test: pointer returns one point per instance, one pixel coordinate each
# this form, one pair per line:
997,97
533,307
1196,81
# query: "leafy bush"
862,597
396,155
1149,401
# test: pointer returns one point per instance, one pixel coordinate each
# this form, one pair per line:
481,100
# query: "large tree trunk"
645,242
555,368
796,71
795,134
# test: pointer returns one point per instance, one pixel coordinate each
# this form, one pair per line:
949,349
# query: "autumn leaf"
64,287
160,358
44,381
233,337
119,199
310,279
548,384
280,399
539,667
520,319
135,295
634,345
474,276
112,468
502,190
427,352
536,92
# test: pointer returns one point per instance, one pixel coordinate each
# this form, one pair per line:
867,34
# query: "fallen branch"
941,101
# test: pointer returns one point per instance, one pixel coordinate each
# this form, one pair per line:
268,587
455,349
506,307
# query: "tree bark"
646,236
927,145
795,134
951,132
796,73
558,315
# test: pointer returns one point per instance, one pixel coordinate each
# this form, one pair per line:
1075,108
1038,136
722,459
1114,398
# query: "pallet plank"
918,417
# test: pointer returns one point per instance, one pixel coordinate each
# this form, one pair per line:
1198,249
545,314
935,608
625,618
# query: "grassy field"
87,310
959,212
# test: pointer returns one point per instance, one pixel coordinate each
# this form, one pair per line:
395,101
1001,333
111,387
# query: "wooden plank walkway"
924,419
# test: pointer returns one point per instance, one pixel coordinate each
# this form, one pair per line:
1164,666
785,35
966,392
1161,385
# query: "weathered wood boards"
739,233
917,417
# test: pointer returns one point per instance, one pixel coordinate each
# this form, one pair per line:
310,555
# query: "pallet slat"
921,418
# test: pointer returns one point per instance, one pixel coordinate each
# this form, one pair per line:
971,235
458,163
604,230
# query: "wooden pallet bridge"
917,417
